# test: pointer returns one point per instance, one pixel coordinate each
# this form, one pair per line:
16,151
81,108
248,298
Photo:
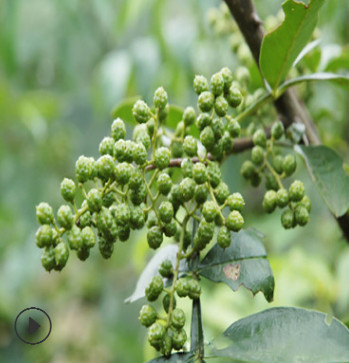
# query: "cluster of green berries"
266,161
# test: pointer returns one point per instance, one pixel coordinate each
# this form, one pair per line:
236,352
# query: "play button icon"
33,326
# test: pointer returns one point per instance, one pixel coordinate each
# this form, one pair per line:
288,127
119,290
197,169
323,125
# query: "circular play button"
33,326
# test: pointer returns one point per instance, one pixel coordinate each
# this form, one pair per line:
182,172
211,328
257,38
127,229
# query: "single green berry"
164,183
206,101
228,142
170,229
269,201
234,128
217,84
163,113
139,154
166,345
187,168
200,173
224,237
88,237
234,97
166,302
123,172
190,146
74,238
155,334
94,200
61,255
271,182
122,214
306,202
260,138
289,164
120,150
105,248
256,179
217,150
118,129
83,253
201,194
166,212
129,150
277,130
257,155
221,106
160,98
154,289
44,236
182,287
162,157
217,128
296,191
209,211
180,129
141,112
194,289
301,215
214,174
124,232
48,258
137,219
84,169
189,116
177,149
277,163
205,232
227,78
105,220
147,315
154,237
234,221
136,179
145,140
248,169
221,192
68,190
175,196
235,201
106,146
178,339
203,120
105,167
65,217
138,196
200,84
166,268
282,198
178,319
44,213
287,219
187,189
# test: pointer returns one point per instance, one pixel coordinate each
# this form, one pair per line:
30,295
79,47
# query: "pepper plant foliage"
167,179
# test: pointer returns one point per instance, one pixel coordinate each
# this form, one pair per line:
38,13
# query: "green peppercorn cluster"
267,162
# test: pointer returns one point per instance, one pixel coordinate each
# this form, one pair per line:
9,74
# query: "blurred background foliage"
64,65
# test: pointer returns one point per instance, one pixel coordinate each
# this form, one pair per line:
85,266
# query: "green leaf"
281,47
286,335
196,333
174,358
321,76
326,170
175,114
124,110
168,252
243,263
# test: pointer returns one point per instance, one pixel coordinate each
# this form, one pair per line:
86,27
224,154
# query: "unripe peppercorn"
214,174
306,202
61,255
224,237
44,236
147,315
234,221
296,191
137,219
145,140
248,169
190,146
235,201
84,169
217,150
154,289
180,129
122,214
282,198
175,197
44,213
228,142
234,97
227,78
277,130
139,154
277,163
123,172
187,168
141,112
221,106
200,84
201,193
166,302
124,232
194,289
259,138
155,334
166,268
120,150
68,190
162,157
118,129
154,237
74,238
209,211
301,215
287,219
170,229
187,189
65,217
200,173
160,98
88,237
217,84
271,182
206,101
178,339
189,116
269,201
105,248
205,231
182,287
136,179
289,164
94,200
257,155
105,167
48,258
106,146
256,179
203,120
166,212
163,113
105,220
217,128
108,199
178,319
164,183
221,192
234,128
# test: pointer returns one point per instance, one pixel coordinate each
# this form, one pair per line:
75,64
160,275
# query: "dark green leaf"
281,47
326,170
243,263
286,335
168,252
174,358
196,333
124,110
